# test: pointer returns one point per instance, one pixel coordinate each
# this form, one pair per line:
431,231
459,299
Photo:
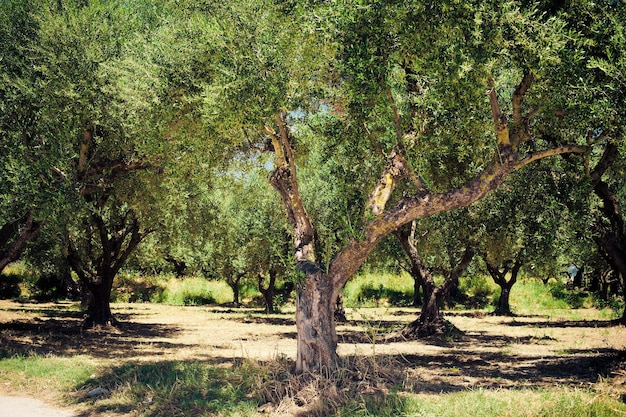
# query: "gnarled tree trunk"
431,320
315,307
503,308
317,291
269,290
97,271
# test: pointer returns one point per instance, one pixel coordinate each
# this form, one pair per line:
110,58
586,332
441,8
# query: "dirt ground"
495,352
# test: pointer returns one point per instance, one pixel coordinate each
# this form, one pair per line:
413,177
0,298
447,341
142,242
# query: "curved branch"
550,152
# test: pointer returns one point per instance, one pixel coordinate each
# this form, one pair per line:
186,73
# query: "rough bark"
233,283
14,236
316,291
317,338
503,307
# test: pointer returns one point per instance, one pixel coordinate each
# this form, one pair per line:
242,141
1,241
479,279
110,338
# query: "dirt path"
29,407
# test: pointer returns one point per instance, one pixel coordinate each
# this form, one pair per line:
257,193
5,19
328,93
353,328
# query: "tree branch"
499,120
566,149
285,181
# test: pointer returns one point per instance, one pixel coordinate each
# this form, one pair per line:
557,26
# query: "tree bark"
97,271
233,283
406,237
99,309
317,338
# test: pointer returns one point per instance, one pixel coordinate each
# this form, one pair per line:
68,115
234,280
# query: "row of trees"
124,122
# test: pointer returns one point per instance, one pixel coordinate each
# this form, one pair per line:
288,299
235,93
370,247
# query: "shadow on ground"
59,331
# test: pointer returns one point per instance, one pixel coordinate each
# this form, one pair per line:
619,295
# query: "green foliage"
476,291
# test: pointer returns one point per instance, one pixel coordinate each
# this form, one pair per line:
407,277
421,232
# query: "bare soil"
495,352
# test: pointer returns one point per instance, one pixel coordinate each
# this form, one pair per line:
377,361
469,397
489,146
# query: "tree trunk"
99,310
340,311
317,338
503,307
431,320
97,269
417,284
268,292
406,236
611,239
234,285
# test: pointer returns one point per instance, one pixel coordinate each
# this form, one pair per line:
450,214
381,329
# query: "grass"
194,291
37,374
363,387
176,389
379,289
555,402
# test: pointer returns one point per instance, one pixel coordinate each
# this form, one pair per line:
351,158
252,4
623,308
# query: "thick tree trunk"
406,237
503,307
317,338
234,285
431,321
99,309
340,311
417,285
97,271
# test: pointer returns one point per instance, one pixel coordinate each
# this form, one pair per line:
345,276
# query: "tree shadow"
461,369
275,321
562,324
60,332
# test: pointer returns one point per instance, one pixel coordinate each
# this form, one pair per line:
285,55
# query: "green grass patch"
193,291
375,289
530,296
176,389
553,402
36,373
